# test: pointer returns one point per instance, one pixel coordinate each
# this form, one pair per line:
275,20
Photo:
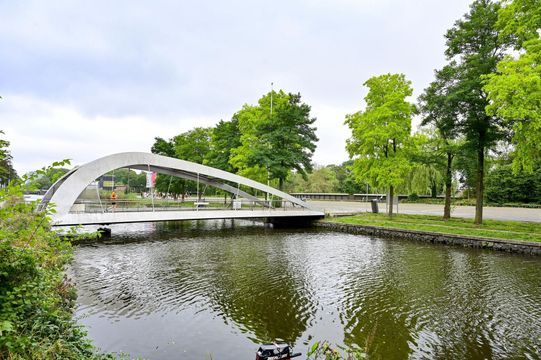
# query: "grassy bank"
468,202
509,230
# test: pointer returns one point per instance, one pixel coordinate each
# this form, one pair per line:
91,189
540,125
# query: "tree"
163,147
439,107
425,155
514,90
224,138
380,133
321,180
474,45
7,172
45,180
194,146
519,21
503,186
277,141
346,178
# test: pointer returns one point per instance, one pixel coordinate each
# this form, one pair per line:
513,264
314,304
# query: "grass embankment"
495,229
468,202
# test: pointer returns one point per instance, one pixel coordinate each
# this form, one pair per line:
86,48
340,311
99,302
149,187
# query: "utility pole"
268,173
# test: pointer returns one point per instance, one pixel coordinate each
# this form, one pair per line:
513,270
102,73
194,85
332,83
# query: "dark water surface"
194,290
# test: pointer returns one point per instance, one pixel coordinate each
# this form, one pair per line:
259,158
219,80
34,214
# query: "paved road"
496,213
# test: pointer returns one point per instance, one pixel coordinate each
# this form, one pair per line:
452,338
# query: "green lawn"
511,230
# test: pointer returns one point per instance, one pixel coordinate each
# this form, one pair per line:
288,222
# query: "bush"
36,301
503,186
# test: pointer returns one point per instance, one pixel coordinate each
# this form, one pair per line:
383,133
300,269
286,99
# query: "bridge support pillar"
291,222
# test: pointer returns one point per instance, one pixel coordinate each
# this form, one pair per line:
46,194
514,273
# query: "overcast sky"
84,79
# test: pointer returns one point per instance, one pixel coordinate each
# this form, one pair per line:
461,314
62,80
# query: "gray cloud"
171,64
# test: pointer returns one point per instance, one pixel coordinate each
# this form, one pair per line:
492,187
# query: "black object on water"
275,351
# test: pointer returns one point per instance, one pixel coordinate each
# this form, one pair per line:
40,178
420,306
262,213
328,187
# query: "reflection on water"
194,289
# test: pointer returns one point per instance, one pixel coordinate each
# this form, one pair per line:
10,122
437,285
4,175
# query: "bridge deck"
171,215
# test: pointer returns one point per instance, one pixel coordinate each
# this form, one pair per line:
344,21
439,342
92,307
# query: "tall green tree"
519,21
439,107
473,43
225,137
277,135
193,145
514,90
381,132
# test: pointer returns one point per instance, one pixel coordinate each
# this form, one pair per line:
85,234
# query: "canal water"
216,289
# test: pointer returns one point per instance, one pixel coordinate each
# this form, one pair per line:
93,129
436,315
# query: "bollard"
374,203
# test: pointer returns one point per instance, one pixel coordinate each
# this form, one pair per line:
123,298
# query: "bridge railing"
188,204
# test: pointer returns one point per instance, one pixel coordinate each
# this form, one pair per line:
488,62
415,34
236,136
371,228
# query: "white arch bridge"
72,209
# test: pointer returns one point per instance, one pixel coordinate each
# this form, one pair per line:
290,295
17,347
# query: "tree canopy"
277,136
514,89
381,132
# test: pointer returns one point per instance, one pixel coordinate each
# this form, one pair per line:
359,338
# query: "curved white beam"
68,188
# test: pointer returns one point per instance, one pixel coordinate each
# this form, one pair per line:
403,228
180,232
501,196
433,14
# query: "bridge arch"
64,193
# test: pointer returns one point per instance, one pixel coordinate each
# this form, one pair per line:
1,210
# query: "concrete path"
496,213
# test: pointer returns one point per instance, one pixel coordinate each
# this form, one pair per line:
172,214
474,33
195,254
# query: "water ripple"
209,286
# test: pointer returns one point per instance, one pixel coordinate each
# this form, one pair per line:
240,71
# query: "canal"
216,289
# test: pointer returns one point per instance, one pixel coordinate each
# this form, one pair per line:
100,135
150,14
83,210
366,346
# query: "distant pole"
271,97
268,173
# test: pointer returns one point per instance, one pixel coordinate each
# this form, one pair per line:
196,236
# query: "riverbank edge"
520,247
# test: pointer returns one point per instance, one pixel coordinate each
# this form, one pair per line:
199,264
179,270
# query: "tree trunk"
448,186
281,184
480,188
391,196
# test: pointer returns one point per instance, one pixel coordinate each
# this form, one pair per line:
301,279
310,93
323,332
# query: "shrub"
36,301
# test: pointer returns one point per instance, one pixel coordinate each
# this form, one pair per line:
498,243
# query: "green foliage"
194,146
163,147
131,179
439,103
346,179
503,186
46,180
36,301
320,180
474,49
428,164
279,141
7,172
514,92
519,21
224,138
381,132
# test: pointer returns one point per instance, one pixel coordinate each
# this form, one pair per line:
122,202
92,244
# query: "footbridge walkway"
71,209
